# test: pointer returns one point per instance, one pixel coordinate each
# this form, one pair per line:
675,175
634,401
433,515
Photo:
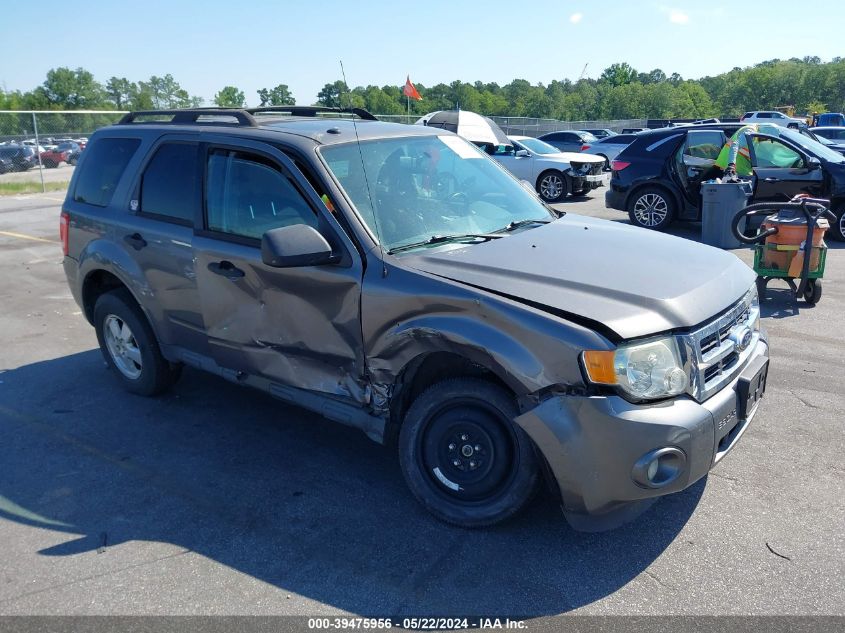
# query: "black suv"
18,157
657,178
396,279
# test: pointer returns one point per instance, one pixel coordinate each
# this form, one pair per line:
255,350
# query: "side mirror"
813,163
295,245
522,153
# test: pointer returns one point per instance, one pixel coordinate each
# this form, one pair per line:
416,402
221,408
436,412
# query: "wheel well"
424,371
96,284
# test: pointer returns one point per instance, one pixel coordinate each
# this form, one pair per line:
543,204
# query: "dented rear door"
296,326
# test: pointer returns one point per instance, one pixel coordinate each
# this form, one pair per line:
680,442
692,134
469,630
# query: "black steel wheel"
813,291
462,455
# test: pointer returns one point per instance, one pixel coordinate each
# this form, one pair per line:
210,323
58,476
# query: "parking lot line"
21,236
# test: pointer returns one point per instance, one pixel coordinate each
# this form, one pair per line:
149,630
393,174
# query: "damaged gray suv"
396,279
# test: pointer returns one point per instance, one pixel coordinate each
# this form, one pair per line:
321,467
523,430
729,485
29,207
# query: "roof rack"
192,115
243,117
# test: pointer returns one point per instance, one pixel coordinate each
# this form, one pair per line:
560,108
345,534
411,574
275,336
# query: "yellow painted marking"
21,236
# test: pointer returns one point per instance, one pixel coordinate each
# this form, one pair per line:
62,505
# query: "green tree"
119,91
280,95
72,89
164,93
229,97
618,74
330,95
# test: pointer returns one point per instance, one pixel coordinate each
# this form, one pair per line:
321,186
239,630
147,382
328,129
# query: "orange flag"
410,90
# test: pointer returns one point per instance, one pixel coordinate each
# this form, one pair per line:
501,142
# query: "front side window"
772,153
247,195
105,162
169,183
409,189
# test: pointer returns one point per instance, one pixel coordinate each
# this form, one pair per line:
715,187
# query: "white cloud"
575,18
678,17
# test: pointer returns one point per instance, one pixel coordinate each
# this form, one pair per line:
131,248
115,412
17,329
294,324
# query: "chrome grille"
712,355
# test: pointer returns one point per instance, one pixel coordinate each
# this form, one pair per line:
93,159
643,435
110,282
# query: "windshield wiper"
518,223
442,239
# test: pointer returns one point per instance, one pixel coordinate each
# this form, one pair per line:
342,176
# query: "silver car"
553,173
608,148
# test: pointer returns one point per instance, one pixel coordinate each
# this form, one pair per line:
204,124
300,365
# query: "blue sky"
207,45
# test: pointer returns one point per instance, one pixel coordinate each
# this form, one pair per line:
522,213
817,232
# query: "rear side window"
104,164
169,184
247,195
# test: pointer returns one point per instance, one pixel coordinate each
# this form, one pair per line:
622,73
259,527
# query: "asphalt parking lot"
214,499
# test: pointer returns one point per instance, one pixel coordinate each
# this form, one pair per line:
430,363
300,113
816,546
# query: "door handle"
770,179
135,241
226,269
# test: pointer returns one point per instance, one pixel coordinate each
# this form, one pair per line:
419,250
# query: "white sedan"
553,173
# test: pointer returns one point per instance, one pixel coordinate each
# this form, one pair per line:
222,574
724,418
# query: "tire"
792,126
813,291
552,186
580,192
129,346
837,230
606,162
49,164
497,471
651,208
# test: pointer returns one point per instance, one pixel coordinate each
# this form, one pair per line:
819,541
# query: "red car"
52,157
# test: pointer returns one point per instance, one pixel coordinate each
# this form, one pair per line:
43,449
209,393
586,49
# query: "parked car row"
23,156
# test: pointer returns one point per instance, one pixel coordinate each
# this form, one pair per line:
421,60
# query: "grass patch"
31,186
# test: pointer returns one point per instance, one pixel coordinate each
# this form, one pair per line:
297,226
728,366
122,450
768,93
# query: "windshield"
812,146
537,146
426,186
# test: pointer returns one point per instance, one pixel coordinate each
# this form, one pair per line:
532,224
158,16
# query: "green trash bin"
721,201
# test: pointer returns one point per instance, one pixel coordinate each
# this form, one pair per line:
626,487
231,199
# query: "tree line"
620,92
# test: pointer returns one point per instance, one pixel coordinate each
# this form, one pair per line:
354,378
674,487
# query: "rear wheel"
50,164
838,228
463,457
129,346
552,186
651,208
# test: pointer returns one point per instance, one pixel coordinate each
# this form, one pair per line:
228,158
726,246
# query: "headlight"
754,302
647,370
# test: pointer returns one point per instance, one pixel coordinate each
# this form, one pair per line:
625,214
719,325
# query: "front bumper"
593,444
581,180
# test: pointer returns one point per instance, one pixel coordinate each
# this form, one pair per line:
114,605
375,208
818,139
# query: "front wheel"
463,457
552,186
651,208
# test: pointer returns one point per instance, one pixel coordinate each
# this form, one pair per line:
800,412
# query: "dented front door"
296,326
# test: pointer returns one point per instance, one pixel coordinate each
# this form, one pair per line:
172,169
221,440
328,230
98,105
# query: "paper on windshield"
460,147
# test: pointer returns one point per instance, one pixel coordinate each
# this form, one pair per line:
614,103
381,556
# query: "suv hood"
634,281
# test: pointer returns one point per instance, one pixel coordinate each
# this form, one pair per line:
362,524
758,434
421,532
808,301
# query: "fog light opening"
659,468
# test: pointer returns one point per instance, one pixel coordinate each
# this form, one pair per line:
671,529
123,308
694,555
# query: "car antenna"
364,170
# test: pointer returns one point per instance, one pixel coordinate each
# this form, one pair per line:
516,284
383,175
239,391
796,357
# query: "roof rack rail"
243,116
311,111
192,115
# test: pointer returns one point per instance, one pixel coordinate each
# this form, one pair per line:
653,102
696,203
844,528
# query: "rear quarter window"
105,162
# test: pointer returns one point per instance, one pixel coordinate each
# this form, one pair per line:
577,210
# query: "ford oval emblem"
741,338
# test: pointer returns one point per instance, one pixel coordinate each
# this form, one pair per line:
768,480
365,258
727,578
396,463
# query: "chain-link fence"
529,126
39,149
